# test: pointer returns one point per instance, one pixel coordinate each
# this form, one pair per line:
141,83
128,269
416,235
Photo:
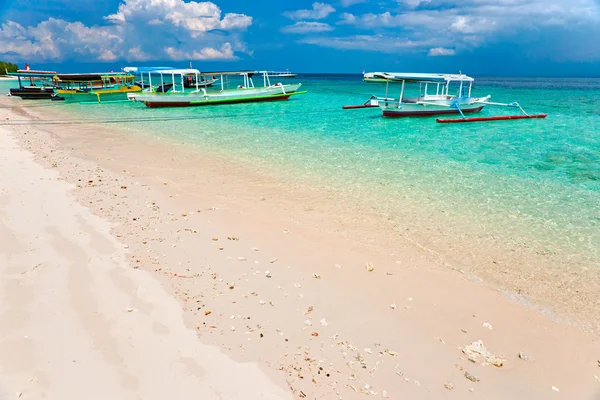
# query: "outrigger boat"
42,90
191,77
280,74
427,103
244,93
95,88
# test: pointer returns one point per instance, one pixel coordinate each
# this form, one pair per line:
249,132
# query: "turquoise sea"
525,185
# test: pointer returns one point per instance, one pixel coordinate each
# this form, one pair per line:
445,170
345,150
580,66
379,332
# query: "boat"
373,77
33,85
95,87
190,78
452,96
280,74
245,92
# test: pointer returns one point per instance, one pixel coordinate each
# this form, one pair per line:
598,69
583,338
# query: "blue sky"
479,37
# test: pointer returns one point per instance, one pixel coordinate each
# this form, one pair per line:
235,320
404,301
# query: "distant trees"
6,66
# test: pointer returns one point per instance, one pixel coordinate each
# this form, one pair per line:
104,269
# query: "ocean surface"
529,187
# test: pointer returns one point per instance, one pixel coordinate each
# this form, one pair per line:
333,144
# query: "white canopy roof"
417,77
183,71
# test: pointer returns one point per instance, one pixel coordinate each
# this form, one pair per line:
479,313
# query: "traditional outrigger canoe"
95,87
280,74
244,93
33,85
190,78
426,103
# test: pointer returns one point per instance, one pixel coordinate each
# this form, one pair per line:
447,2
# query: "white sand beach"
135,268
77,321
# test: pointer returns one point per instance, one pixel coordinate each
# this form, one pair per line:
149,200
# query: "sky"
478,37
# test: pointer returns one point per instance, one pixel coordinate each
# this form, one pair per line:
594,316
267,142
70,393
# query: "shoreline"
560,284
433,305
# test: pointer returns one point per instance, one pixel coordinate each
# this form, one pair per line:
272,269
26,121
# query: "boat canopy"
226,73
173,71
38,74
138,70
418,77
92,77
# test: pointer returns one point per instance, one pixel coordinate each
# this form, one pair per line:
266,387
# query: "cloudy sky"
497,37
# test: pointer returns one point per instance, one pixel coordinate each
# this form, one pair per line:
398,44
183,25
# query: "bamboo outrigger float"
440,103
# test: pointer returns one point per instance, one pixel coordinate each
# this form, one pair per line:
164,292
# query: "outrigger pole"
494,118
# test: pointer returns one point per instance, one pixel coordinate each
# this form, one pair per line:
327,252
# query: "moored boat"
244,93
95,87
280,74
33,85
452,96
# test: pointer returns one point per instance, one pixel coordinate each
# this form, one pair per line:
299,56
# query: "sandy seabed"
134,268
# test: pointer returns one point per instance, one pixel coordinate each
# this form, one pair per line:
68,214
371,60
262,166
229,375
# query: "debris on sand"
555,389
316,276
477,352
370,267
449,386
523,356
470,377
487,325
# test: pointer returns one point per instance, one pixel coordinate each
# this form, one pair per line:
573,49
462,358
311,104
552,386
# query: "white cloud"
207,53
307,27
377,43
466,24
440,51
139,30
473,25
319,11
413,3
348,3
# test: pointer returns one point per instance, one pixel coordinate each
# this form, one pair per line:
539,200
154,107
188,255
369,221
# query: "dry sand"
268,273
77,322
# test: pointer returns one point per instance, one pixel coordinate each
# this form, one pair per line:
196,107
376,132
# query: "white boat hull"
425,107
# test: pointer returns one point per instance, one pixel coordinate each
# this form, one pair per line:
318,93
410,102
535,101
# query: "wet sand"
273,274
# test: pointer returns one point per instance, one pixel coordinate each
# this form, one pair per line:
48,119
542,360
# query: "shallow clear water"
532,183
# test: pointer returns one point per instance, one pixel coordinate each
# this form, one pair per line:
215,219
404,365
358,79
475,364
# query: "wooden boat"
280,74
244,93
426,103
95,88
192,79
40,85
